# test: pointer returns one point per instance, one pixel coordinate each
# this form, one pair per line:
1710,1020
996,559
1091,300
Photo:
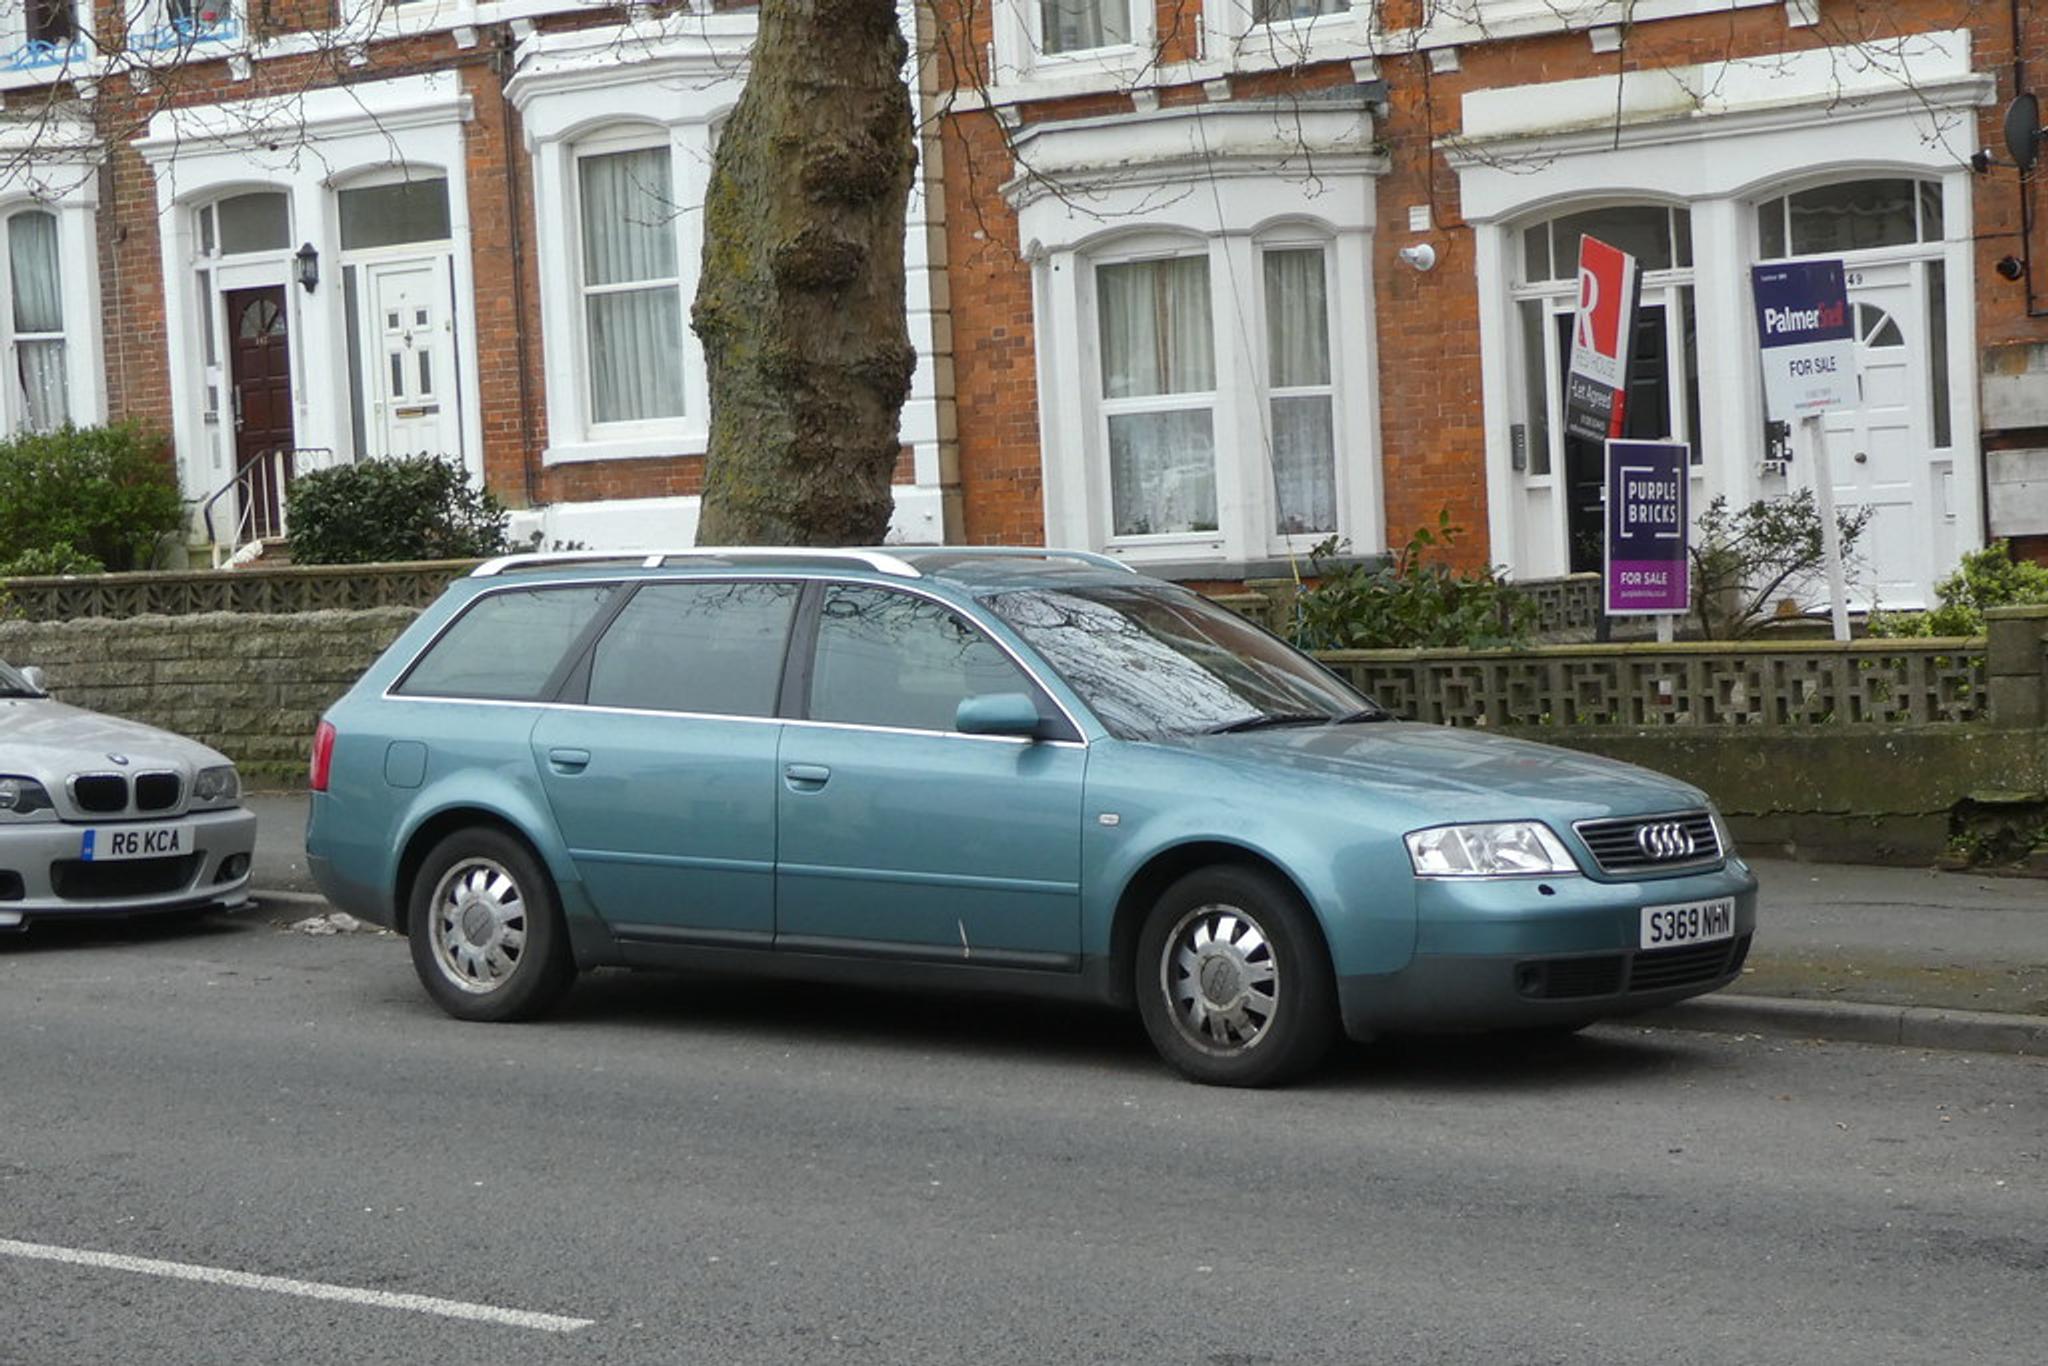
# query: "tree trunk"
801,306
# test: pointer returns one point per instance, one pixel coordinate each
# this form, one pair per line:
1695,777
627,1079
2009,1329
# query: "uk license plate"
1688,922
111,843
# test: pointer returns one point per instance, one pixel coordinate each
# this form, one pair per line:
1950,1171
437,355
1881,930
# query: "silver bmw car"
100,816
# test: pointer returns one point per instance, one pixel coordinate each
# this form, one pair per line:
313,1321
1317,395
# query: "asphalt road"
742,1173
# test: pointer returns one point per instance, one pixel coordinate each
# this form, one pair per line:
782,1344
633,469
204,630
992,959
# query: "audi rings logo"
1665,841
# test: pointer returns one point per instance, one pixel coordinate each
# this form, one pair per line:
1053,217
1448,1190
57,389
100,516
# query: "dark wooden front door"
260,360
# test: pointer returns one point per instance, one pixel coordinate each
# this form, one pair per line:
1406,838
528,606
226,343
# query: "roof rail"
878,560
1021,552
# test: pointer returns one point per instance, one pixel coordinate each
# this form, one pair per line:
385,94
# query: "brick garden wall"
251,686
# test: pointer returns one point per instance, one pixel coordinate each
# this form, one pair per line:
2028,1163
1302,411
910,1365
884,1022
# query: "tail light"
323,757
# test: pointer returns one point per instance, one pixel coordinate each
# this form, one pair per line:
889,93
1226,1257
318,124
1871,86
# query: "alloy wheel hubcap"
1221,979
479,925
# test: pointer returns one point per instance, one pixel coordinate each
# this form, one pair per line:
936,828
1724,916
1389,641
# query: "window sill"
682,442
23,69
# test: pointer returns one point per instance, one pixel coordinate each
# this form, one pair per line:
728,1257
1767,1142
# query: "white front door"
408,350
1881,451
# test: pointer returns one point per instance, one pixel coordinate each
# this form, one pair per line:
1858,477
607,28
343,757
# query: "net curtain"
38,319
636,335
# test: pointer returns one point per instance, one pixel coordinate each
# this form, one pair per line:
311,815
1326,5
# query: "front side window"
632,285
507,645
1158,394
889,659
1153,662
37,321
1078,25
713,648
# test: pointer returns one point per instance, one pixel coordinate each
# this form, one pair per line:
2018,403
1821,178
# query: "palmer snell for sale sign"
1808,344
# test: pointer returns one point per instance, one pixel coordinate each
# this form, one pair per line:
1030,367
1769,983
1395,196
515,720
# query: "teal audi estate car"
1018,770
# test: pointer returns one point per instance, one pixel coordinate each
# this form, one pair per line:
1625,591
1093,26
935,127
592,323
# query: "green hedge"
379,511
81,499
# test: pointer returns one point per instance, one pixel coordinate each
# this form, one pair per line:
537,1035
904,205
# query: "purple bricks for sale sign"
1647,569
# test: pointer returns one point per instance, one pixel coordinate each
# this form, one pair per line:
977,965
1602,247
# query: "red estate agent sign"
1596,385
1647,569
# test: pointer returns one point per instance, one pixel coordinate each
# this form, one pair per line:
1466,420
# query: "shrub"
87,497
1745,559
1411,602
50,560
418,508
1986,578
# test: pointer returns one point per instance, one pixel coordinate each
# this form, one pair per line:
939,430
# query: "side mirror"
33,676
997,713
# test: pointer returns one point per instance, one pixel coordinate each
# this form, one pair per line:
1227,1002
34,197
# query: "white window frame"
21,68
1216,401
574,434
609,144
1236,34
1299,238
154,35
77,270
1020,54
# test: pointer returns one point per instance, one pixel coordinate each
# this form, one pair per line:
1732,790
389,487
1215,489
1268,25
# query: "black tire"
1234,981
486,929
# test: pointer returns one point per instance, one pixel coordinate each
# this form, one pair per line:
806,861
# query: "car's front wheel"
1234,981
486,933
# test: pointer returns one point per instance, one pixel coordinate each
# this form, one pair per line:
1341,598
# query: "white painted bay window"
41,397
631,285
1301,400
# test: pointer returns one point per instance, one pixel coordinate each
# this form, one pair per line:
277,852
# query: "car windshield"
13,684
1154,661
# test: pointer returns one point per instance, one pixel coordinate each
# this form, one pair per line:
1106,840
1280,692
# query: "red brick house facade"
1197,282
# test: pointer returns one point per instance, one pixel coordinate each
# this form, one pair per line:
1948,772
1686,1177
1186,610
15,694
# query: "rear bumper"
1526,954
43,877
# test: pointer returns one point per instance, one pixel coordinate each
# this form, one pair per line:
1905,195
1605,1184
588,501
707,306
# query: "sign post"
1809,355
1648,572
1596,384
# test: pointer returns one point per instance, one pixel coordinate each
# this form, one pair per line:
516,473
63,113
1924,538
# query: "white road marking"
281,1285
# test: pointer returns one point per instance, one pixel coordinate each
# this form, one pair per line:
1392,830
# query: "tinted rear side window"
506,646
699,647
889,659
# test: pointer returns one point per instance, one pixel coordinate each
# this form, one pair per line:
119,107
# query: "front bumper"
1526,953
43,877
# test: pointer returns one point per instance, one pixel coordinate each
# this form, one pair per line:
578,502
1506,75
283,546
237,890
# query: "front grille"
1688,966
1564,979
100,793
1621,846
156,791
78,880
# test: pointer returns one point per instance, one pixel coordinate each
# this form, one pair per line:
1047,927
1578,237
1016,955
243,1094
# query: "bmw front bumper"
43,874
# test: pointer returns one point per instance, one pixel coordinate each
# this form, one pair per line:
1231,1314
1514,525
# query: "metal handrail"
245,520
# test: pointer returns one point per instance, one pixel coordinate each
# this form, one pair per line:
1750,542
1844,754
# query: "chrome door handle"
569,760
806,777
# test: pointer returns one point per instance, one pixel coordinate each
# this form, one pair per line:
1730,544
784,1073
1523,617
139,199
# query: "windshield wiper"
1261,719
1362,714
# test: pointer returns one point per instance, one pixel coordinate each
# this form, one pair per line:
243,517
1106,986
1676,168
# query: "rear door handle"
806,777
569,760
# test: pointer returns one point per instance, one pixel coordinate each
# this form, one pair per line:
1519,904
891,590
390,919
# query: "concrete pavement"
1858,954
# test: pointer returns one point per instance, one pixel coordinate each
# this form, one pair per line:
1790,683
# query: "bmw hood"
1444,773
48,741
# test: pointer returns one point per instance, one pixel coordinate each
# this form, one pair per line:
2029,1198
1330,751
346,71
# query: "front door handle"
806,777
569,760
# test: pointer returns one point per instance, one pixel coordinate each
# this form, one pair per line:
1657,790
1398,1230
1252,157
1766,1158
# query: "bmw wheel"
487,937
1234,981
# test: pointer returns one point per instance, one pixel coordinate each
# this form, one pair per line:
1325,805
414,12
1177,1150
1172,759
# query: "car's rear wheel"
486,931
1234,981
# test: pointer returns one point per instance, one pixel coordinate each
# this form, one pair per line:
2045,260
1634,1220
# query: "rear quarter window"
506,645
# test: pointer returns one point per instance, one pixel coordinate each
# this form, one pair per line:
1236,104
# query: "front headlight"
22,797
1502,849
216,786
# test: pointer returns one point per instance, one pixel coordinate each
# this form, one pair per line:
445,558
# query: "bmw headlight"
216,786
1500,849
22,797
